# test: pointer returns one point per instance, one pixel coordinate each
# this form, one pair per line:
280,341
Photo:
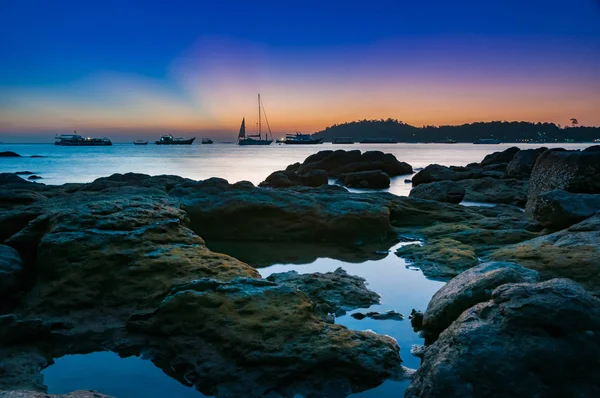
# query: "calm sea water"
402,287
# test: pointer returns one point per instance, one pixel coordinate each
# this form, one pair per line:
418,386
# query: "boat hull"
248,141
304,142
179,142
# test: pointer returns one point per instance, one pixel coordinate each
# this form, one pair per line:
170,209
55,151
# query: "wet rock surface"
10,269
442,191
522,163
528,340
285,178
390,315
9,154
332,292
467,289
494,190
34,394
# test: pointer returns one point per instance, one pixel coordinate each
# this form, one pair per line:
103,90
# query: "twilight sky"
139,68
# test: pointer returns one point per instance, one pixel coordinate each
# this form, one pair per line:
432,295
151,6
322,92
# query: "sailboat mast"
259,127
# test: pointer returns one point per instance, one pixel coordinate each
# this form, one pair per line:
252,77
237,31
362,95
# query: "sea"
402,286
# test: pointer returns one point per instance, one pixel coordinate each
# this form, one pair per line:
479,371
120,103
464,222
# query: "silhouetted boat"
207,141
486,141
140,142
301,139
255,139
170,140
343,140
78,140
376,140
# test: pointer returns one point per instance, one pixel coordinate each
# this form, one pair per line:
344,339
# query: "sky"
135,69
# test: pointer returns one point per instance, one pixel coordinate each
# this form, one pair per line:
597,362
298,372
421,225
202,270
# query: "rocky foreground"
121,264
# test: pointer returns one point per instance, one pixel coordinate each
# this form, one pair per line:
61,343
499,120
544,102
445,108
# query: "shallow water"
112,375
232,162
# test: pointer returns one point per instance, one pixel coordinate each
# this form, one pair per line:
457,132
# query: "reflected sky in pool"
110,374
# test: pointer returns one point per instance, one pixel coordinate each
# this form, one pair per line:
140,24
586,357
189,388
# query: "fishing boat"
206,141
168,139
378,140
486,141
78,140
140,142
255,139
301,139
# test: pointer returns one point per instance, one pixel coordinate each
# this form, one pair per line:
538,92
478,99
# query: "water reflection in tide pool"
110,374
402,288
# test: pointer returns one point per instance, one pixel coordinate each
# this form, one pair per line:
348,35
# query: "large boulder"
441,191
571,171
560,209
469,288
530,340
522,163
219,210
340,162
373,179
570,253
10,178
287,178
332,292
436,172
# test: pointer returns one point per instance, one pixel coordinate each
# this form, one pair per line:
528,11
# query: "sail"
242,133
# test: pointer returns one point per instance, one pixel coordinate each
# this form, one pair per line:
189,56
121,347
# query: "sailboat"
255,139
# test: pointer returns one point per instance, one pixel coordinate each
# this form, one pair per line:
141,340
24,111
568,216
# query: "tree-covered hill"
503,131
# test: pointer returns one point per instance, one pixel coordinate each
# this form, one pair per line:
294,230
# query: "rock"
218,210
558,209
162,182
441,191
378,316
10,268
440,258
570,253
408,181
339,162
500,157
418,350
9,154
530,340
272,329
37,156
284,179
11,198
434,172
15,330
20,369
332,292
34,177
471,287
373,179
416,319
23,173
10,178
494,190
571,171
522,163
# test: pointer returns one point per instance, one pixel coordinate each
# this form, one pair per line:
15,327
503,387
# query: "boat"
446,141
78,140
207,141
486,141
377,140
300,139
168,139
343,140
255,139
140,142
